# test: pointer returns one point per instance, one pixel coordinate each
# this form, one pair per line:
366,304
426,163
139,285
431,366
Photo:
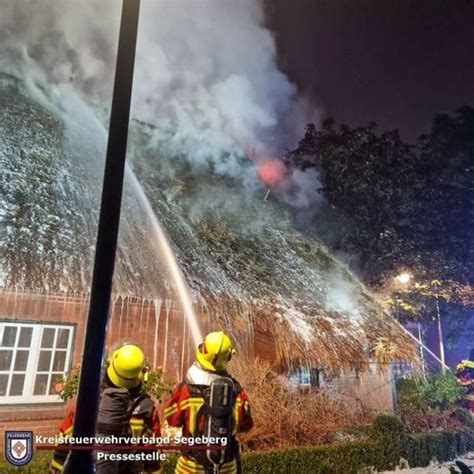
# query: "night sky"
394,62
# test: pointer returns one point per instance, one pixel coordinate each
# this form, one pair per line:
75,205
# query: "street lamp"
404,278
435,285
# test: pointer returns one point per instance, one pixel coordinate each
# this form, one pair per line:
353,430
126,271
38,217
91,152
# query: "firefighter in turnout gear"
124,410
210,403
465,377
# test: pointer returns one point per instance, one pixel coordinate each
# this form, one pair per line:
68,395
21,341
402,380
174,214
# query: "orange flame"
271,170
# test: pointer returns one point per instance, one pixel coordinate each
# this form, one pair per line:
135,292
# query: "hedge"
349,457
344,457
353,456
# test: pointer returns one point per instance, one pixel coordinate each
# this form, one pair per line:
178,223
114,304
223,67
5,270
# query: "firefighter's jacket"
144,421
465,376
185,410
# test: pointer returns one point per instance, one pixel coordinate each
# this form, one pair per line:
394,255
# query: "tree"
407,206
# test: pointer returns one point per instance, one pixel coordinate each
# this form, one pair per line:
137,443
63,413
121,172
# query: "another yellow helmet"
215,351
126,365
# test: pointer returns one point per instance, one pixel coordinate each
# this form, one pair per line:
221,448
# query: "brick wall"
370,390
41,419
158,325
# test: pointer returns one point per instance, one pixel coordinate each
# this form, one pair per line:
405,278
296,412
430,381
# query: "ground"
467,459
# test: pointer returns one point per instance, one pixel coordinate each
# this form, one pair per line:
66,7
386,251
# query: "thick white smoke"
343,296
205,77
67,41
206,73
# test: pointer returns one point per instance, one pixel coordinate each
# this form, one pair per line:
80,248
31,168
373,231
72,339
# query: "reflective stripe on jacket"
185,403
184,410
187,465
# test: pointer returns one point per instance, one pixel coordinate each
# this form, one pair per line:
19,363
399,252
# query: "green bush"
440,446
436,392
409,397
390,433
388,427
356,456
441,391
464,416
348,457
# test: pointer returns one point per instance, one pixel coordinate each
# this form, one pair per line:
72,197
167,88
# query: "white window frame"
33,359
304,377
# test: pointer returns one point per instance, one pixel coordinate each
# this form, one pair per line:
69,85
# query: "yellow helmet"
126,365
215,351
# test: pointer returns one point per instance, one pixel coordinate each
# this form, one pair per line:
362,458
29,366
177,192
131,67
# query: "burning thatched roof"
241,255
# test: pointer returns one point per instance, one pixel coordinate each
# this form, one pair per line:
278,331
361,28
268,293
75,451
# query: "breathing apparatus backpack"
217,413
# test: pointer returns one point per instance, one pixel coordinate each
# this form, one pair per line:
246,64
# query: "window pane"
44,361
63,338
9,336
25,337
59,360
48,337
21,360
55,378
16,387
3,384
41,384
6,359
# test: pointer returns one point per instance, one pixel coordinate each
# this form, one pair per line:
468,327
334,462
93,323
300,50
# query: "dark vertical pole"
440,333
89,383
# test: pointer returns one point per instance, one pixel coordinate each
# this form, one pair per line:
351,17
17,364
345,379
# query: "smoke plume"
205,77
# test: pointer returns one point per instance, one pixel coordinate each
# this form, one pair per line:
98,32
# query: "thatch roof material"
241,255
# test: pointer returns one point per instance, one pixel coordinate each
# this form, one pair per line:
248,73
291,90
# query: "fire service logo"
18,447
